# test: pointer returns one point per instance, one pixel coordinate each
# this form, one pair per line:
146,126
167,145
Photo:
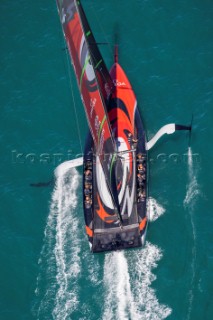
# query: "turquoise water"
46,270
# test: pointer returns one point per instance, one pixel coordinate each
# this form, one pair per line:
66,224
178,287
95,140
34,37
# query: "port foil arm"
63,167
167,129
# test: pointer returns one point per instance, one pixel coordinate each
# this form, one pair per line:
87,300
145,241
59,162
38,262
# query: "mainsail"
94,81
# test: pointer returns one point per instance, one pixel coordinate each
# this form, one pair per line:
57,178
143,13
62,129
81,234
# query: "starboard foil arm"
167,129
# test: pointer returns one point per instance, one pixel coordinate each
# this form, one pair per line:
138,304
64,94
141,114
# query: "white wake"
193,190
192,193
60,264
119,302
154,209
128,278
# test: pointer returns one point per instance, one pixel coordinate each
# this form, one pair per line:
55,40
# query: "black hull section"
102,236
117,240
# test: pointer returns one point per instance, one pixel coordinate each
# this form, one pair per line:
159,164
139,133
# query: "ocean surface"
46,269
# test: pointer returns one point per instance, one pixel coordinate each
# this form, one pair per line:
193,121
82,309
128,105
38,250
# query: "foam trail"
139,302
134,268
142,262
189,203
67,247
193,187
60,264
117,283
154,209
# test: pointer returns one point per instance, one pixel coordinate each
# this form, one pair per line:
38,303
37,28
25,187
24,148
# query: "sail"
94,81
104,79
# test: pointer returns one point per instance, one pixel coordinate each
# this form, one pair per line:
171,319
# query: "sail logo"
99,132
97,124
67,13
92,105
117,83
